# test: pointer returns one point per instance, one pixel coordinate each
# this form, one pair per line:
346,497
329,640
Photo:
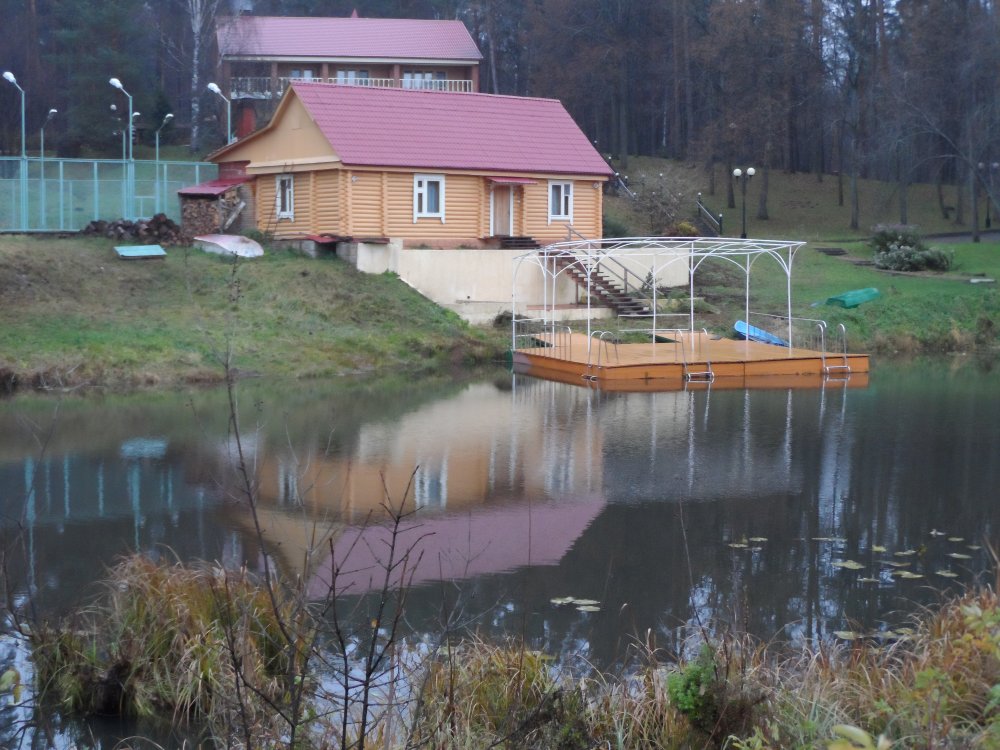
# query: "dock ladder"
843,367
604,338
682,337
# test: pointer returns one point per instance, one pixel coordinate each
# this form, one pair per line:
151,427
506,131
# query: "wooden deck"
680,361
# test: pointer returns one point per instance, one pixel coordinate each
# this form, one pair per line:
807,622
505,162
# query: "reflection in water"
525,490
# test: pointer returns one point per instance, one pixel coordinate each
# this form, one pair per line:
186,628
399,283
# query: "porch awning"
512,181
214,187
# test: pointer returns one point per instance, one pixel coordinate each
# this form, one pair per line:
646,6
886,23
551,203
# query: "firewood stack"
158,230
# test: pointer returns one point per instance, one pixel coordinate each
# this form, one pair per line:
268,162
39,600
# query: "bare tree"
201,14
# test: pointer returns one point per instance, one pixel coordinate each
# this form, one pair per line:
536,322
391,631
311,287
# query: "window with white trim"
428,197
560,201
284,197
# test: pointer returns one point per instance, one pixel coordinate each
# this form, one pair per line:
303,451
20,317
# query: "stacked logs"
158,230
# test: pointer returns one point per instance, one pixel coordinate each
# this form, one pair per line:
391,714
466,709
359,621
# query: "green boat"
854,297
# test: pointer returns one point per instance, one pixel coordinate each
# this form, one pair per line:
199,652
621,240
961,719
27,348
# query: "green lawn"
75,312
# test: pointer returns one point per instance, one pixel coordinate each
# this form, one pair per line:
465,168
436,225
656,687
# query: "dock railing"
801,333
535,333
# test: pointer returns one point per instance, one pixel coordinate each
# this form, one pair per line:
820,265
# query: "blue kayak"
753,333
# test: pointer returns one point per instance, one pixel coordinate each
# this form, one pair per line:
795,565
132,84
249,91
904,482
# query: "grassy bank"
214,652
73,313
922,312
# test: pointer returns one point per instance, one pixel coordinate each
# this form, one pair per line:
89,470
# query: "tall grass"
164,641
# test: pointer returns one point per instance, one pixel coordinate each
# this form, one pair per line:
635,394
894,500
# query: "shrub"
612,227
682,229
900,248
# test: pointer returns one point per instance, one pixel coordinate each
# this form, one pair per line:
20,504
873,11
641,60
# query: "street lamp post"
159,201
41,195
214,88
9,77
129,168
743,177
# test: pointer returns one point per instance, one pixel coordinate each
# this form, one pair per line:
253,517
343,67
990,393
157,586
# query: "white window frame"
420,195
564,211
284,184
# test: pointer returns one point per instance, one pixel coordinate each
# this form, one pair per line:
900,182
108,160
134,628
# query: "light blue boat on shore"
752,333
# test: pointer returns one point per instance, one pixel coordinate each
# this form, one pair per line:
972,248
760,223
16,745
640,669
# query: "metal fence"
44,195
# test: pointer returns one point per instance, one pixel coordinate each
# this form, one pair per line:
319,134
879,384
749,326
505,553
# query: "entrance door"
503,208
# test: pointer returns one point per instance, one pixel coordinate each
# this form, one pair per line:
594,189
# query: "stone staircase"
518,243
602,287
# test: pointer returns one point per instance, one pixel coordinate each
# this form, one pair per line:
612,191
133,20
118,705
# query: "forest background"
900,91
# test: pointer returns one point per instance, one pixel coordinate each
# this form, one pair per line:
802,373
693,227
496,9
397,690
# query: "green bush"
612,227
901,248
693,691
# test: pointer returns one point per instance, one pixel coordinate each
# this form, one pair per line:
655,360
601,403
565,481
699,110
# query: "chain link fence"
46,195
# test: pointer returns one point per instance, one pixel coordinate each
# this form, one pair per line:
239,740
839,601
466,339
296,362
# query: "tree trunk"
762,199
622,130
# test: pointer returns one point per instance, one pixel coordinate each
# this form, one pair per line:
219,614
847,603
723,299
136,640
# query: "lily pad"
562,600
956,539
946,573
739,545
849,565
973,547
585,602
935,532
869,580
905,553
909,575
757,539
959,555
588,608
878,548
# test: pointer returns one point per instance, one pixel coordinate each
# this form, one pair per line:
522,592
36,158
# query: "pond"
669,510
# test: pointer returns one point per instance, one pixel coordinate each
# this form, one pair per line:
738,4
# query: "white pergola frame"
656,254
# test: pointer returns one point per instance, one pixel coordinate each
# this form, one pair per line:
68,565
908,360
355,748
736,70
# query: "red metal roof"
214,187
297,38
444,130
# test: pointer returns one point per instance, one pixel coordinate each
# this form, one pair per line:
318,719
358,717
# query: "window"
423,79
353,77
560,201
284,199
428,197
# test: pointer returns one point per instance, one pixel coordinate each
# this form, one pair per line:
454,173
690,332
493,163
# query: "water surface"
670,509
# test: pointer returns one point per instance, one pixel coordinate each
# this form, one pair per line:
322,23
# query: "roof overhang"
292,165
512,180
213,187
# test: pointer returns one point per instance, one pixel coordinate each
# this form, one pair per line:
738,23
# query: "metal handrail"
842,329
708,374
602,346
714,222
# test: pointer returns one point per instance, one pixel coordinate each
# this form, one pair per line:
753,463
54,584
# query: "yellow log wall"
587,208
380,204
267,218
327,213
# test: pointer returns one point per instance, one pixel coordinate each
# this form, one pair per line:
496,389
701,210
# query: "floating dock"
674,360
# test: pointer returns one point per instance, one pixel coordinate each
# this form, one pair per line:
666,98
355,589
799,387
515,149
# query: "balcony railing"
261,87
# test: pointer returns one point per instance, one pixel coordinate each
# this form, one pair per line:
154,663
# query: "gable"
292,139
